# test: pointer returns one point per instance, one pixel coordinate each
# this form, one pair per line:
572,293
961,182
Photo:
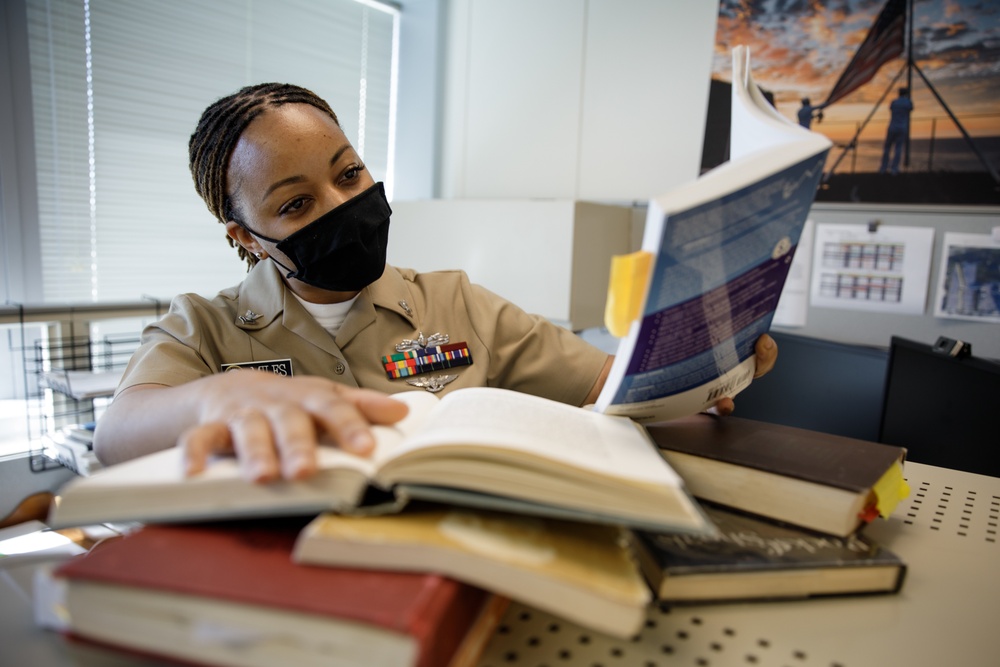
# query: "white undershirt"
330,316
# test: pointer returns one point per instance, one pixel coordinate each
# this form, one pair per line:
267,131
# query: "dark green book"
755,559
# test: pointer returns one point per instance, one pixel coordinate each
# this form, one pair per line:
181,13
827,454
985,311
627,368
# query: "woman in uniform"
303,348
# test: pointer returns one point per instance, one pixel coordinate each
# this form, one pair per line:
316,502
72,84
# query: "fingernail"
359,443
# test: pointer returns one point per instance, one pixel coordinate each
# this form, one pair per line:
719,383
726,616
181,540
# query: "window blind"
118,87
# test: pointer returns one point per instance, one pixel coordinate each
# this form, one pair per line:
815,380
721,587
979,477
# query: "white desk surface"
946,614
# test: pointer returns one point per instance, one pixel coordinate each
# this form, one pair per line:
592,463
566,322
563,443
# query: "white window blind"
117,89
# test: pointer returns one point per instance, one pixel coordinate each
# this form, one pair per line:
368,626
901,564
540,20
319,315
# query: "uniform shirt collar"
390,292
262,299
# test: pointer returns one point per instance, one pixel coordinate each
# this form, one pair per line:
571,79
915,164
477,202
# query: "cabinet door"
598,100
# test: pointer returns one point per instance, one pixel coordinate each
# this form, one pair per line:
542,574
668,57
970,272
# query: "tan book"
487,447
581,572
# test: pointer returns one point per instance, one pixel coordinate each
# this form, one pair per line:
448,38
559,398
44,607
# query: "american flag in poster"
884,42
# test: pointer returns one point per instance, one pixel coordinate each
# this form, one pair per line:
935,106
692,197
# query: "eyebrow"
300,178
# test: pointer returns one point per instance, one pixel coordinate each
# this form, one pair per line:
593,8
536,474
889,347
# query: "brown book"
229,594
818,481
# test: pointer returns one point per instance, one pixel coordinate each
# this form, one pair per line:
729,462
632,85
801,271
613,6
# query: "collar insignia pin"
249,317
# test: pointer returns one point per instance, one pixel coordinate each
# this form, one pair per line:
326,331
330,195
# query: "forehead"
289,138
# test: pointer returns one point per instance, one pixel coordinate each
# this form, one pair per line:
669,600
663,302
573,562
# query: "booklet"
690,305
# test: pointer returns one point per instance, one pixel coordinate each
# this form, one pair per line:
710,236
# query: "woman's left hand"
766,351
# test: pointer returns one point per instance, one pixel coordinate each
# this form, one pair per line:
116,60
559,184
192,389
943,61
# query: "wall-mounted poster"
883,270
969,278
908,90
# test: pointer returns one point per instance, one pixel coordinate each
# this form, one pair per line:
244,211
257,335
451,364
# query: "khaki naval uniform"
509,348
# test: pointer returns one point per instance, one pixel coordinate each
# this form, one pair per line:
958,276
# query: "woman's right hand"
271,423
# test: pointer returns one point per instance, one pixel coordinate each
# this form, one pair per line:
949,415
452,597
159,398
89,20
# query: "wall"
603,100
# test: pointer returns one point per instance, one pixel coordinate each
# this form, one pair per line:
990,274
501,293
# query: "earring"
259,255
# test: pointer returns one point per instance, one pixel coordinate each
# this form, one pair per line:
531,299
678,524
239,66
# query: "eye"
292,206
353,172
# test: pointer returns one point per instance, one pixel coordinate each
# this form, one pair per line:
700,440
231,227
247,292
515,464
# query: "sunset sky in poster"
799,48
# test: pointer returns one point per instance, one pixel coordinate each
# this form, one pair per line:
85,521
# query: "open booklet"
479,446
715,254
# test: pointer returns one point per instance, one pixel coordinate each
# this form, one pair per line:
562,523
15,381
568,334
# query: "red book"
229,594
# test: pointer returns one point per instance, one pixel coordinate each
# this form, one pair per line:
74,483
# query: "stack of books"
779,516
790,506
468,498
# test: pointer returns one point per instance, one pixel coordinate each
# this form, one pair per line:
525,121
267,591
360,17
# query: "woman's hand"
766,351
272,423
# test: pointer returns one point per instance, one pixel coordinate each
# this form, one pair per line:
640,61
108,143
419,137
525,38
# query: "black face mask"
343,250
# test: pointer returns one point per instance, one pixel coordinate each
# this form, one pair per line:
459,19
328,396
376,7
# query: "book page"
491,418
722,249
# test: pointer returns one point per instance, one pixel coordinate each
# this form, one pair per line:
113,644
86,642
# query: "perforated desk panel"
948,612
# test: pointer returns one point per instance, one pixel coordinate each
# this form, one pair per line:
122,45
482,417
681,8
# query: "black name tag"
276,366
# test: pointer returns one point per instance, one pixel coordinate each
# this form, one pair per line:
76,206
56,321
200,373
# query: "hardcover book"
229,594
814,480
754,559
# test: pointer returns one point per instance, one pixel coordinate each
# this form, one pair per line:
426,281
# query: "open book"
691,303
477,446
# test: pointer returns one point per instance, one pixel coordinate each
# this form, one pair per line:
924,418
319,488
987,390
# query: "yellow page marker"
626,289
890,489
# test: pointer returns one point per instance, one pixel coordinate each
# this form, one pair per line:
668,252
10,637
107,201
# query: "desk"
946,613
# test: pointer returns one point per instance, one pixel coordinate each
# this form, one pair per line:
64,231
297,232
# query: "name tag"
276,366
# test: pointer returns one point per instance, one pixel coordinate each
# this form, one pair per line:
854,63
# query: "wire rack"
67,381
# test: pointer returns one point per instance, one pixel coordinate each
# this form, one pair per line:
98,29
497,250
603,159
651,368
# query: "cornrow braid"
220,127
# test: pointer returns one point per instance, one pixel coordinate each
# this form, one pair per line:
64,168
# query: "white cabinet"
550,257
602,100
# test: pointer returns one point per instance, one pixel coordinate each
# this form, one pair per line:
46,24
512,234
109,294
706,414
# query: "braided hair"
220,127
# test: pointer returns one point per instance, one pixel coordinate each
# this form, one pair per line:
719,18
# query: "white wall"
602,100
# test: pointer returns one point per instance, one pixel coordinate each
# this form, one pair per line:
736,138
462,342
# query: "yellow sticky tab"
626,289
890,489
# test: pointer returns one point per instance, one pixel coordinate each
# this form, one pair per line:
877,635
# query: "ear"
242,235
